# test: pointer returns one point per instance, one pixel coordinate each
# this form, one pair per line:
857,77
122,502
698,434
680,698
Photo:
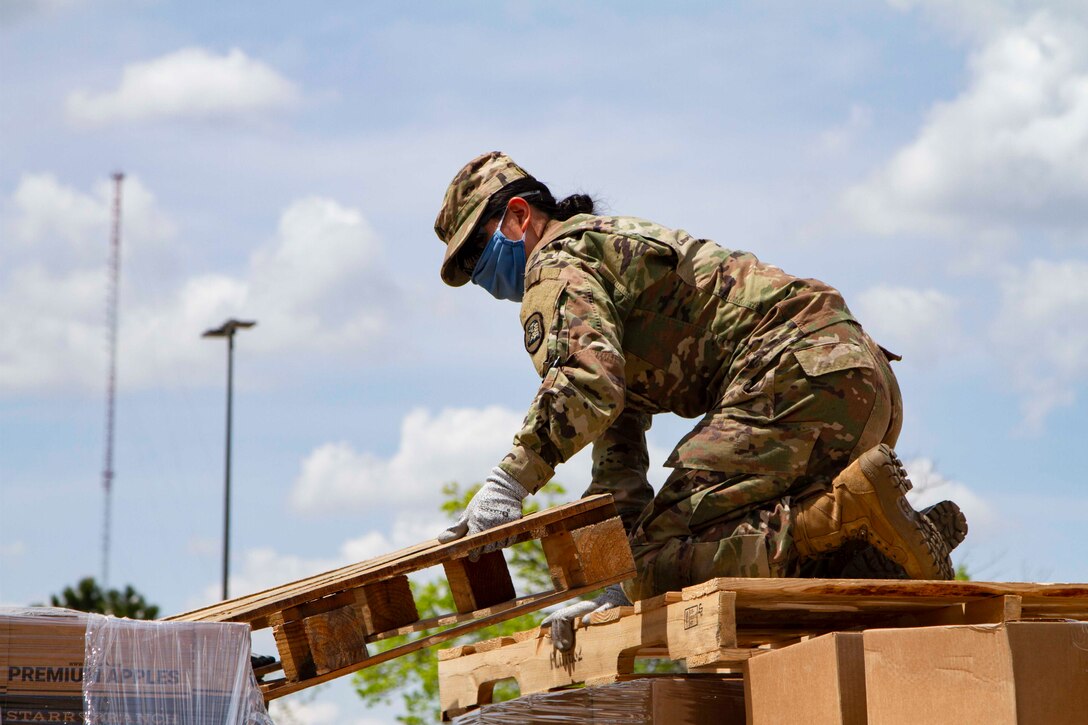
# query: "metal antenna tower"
111,380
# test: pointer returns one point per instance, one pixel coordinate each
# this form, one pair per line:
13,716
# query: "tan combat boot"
866,502
949,521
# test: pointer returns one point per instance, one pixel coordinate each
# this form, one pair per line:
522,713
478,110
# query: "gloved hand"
562,621
497,502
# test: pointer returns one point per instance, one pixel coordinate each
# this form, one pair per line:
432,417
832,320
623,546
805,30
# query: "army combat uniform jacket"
624,318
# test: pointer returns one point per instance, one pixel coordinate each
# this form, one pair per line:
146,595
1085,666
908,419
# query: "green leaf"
413,678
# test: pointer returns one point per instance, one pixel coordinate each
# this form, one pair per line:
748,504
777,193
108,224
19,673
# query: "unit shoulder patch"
534,332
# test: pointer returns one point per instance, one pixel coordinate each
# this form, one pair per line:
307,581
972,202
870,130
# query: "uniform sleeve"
620,462
573,332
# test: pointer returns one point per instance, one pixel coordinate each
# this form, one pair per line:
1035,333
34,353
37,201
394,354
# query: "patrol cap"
464,204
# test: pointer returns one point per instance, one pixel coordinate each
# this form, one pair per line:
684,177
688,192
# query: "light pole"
227,330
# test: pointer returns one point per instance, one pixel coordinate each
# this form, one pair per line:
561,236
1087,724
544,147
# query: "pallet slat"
525,605
590,510
325,625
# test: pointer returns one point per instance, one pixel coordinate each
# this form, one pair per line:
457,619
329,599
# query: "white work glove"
497,502
562,621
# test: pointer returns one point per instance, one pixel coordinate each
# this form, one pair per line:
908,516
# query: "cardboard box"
817,682
1023,673
163,673
691,700
41,668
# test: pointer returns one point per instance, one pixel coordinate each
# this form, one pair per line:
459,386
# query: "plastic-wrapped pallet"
62,666
690,700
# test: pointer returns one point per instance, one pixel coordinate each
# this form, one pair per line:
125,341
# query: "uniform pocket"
832,358
722,443
538,316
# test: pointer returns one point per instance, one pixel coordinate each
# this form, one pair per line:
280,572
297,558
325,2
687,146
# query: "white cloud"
12,549
300,712
304,713
47,330
288,711
839,138
12,11
188,83
459,445
1040,333
317,284
455,444
1011,149
969,18
198,546
319,280
53,277
931,486
980,19
65,227
49,210
919,324
264,567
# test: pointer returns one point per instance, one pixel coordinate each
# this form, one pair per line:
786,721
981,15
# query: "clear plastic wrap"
71,667
690,700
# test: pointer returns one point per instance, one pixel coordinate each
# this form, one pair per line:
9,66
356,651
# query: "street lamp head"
227,328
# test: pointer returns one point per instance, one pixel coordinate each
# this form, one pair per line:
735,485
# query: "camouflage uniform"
623,319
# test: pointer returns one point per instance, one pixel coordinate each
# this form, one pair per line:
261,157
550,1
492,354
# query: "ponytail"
573,204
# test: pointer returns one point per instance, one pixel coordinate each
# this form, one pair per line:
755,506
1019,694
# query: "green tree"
88,596
414,677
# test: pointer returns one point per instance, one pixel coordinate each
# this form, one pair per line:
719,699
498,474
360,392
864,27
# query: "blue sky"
929,159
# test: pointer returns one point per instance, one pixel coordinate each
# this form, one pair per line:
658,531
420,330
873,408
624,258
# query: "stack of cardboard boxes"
1017,673
61,666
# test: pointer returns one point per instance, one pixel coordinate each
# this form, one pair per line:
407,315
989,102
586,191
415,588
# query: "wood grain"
414,558
701,629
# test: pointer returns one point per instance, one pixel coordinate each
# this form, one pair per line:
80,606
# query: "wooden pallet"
718,625
323,624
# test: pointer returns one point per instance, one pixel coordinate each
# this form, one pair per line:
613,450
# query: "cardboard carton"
61,666
41,668
817,682
1022,673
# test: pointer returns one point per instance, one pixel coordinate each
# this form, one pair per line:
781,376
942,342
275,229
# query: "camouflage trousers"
784,433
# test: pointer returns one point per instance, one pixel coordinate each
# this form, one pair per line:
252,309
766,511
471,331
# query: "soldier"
790,470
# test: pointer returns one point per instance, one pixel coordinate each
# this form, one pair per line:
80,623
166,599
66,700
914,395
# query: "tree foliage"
88,596
414,677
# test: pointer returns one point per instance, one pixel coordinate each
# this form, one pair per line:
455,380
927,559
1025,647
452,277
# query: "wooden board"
727,621
322,624
784,609
700,630
252,607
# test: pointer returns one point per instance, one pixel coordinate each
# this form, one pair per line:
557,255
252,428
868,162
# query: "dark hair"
536,194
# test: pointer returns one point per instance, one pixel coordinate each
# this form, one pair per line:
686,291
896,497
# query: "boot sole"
888,478
949,521
869,563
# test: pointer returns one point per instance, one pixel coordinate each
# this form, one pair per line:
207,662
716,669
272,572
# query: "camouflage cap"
464,204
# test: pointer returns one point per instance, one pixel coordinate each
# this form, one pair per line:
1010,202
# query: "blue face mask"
501,269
